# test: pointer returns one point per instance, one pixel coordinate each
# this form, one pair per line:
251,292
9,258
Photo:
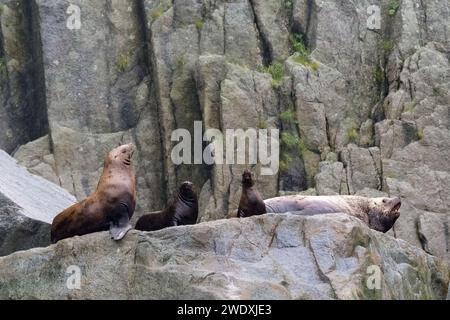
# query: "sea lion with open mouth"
251,202
378,213
111,206
182,211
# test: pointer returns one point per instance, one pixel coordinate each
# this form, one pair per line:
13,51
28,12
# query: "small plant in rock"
199,23
302,54
353,135
378,76
299,44
393,7
289,140
409,107
420,134
289,4
123,62
387,46
439,93
276,70
262,123
156,13
302,147
2,65
288,116
292,142
285,162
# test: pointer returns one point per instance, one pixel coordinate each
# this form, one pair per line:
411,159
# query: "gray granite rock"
28,205
265,257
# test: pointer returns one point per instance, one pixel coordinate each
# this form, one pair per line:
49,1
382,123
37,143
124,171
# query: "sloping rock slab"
28,205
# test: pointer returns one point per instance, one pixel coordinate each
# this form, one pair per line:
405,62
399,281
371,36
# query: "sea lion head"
121,155
187,192
383,213
247,179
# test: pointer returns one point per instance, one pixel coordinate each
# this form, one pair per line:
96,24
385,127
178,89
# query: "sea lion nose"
396,201
187,184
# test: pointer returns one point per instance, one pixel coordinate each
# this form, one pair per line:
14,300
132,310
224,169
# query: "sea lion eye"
384,200
124,151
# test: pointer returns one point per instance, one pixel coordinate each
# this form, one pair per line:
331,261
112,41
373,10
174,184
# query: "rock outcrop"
28,205
362,100
265,257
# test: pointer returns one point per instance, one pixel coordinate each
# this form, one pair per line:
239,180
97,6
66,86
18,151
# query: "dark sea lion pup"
378,213
182,211
111,206
251,202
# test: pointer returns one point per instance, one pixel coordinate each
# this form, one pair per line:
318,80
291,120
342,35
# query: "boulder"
37,157
28,205
363,167
331,179
265,257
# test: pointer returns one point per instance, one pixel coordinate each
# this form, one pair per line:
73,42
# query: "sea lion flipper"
118,232
121,225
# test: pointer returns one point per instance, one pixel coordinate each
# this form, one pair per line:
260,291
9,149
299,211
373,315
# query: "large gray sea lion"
182,211
378,213
251,202
111,206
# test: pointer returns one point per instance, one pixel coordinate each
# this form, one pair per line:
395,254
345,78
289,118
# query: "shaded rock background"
28,205
266,257
366,110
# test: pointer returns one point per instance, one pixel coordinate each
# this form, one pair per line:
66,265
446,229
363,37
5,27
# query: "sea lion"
111,206
378,213
251,202
182,211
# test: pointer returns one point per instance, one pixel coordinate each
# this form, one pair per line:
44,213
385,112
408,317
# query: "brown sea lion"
111,206
182,211
378,213
251,202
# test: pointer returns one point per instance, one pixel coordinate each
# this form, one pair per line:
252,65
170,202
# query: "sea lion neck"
358,202
113,171
246,184
186,199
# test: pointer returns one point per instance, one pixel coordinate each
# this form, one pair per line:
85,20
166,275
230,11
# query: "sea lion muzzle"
382,217
395,204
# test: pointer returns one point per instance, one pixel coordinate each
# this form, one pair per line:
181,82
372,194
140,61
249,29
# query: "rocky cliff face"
267,257
360,110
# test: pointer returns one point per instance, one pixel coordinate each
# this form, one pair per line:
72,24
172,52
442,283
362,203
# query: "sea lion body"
111,206
378,213
251,202
182,211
